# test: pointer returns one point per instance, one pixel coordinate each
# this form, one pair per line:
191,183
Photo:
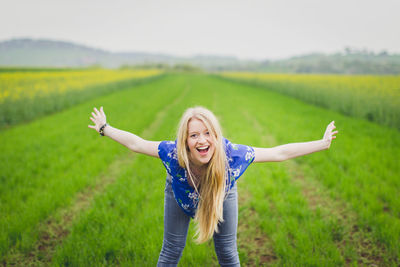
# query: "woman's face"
200,142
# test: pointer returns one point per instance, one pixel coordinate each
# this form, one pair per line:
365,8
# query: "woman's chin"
202,161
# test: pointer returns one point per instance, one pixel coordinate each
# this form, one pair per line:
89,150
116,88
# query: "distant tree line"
166,67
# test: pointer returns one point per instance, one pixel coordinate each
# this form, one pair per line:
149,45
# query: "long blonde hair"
212,191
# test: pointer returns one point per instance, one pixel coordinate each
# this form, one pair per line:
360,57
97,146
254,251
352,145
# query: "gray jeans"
176,224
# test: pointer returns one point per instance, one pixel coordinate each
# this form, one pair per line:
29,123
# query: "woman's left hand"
330,134
98,118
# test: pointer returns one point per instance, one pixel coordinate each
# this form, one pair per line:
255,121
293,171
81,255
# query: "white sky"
246,29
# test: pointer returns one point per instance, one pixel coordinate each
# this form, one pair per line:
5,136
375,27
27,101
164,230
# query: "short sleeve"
168,155
239,158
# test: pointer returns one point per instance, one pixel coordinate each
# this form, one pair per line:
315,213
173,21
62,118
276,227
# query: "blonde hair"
212,191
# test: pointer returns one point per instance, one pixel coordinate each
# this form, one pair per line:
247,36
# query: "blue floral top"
239,158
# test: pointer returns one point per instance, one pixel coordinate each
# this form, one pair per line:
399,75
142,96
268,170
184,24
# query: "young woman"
202,169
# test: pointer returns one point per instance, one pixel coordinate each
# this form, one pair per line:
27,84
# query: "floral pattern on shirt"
239,157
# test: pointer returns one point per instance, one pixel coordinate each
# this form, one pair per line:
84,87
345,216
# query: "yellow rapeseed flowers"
375,97
16,85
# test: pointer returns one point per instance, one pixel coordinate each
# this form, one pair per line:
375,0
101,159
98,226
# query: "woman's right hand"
330,134
98,118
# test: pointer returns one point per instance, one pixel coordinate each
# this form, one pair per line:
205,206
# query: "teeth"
203,147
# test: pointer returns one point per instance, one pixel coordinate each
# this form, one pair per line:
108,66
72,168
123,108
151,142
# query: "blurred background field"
70,198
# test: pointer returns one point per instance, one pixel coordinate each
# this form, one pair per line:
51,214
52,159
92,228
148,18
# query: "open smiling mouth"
203,149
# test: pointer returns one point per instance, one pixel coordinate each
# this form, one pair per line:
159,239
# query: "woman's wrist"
102,128
325,144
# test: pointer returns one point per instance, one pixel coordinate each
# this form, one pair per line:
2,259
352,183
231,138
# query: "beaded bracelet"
101,131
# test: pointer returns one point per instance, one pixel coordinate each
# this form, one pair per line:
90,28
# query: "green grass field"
72,198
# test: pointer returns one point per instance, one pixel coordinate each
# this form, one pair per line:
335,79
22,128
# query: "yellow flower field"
16,85
372,85
26,95
373,97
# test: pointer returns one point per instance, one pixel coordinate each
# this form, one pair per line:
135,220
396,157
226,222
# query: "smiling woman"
200,144
202,170
200,151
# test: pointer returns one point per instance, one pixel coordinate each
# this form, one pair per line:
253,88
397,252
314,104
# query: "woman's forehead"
196,125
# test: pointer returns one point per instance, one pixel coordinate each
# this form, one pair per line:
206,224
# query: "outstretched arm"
130,140
289,151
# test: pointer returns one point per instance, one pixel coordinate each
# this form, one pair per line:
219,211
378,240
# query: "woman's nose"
202,138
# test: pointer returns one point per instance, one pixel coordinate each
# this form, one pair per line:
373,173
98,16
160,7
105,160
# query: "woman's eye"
193,135
207,133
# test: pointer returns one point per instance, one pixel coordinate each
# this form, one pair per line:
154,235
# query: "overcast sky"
245,29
